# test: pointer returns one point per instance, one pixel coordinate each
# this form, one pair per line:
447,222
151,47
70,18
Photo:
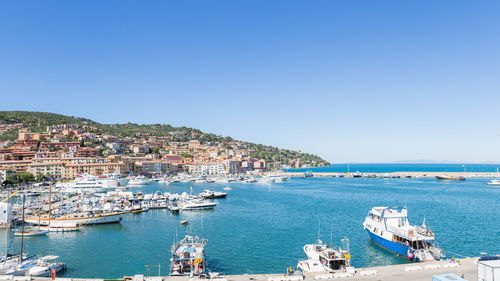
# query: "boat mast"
22,232
50,201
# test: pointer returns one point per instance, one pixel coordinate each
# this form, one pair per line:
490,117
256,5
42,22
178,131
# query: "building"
87,152
232,167
259,165
155,167
4,173
54,169
205,169
18,166
71,170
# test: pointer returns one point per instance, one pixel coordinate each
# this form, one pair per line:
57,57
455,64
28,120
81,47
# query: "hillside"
38,122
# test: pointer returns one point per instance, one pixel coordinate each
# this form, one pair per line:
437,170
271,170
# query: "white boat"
138,180
43,268
390,229
85,183
209,194
494,182
196,204
227,188
188,257
322,257
31,233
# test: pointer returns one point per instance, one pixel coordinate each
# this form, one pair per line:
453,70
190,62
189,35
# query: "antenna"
319,228
331,236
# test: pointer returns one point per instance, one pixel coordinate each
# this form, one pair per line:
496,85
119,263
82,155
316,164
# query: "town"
65,150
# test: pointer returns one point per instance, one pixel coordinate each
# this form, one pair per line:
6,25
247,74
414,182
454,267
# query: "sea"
262,228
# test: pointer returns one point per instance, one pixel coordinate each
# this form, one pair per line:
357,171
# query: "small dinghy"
227,188
184,222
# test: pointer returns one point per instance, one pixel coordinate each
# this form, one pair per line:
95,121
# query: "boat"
196,204
138,180
450,178
58,226
44,268
188,257
85,183
322,257
209,194
30,233
184,222
227,188
390,229
494,182
83,218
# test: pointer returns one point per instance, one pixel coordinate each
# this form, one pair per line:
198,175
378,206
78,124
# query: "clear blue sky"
366,81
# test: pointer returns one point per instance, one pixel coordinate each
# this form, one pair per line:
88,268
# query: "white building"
205,169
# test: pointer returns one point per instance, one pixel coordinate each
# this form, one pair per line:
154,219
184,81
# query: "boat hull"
393,247
99,219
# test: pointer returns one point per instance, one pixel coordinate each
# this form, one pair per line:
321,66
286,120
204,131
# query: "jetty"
395,174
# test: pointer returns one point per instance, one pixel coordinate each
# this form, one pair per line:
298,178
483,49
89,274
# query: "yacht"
138,180
85,183
196,204
116,180
322,257
188,257
208,194
390,229
494,182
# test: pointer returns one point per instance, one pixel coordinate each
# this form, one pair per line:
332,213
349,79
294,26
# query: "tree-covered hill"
38,122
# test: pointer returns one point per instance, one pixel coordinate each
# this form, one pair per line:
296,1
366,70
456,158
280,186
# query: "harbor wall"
466,267
398,174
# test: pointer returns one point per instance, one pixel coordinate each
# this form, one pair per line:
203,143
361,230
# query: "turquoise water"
262,228
391,167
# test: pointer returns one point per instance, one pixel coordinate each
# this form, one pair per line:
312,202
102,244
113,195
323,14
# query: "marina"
264,213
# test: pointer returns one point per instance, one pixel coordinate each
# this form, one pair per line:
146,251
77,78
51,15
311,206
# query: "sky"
349,80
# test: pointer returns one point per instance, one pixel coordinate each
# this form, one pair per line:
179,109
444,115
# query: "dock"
466,267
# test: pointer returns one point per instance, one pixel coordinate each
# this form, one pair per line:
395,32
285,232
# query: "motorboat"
44,268
188,257
209,194
138,180
494,182
85,183
390,229
196,204
322,257
450,178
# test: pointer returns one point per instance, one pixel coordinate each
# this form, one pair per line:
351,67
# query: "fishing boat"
494,182
390,229
450,178
209,194
188,257
322,257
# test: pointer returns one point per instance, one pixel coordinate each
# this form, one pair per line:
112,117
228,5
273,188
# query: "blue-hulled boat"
390,229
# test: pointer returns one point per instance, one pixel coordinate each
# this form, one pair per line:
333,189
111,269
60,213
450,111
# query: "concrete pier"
466,267
399,174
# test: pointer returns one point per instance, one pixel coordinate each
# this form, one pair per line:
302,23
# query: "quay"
395,174
466,267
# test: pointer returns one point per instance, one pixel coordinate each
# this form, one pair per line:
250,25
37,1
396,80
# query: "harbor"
263,213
